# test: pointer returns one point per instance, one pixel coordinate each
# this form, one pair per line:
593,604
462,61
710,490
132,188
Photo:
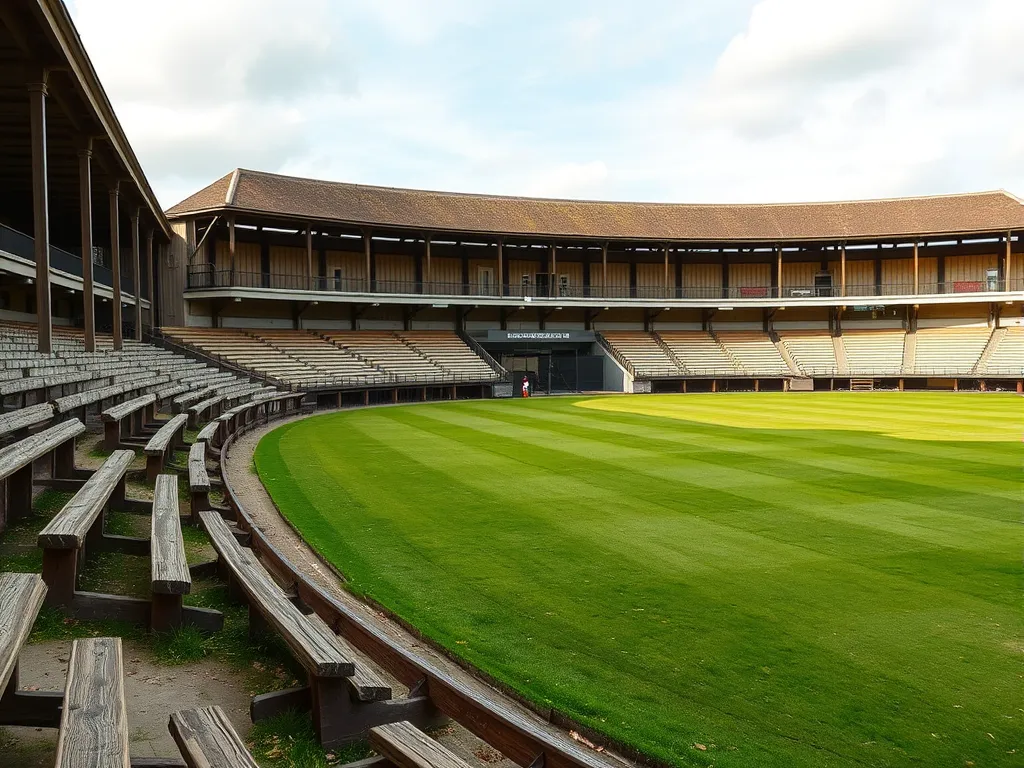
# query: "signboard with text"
567,336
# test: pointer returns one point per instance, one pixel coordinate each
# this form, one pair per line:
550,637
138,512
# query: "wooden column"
309,257
428,275
231,247
137,273
115,264
917,282
85,206
842,269
501,272
1008,264
367,237
604,269
668,285
553,271
40,211
149,278
781,283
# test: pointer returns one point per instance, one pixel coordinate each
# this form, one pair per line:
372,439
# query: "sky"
654,100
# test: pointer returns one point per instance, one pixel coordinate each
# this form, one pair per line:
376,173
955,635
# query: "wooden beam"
916,269
231,243
309,256
137,271
1008,264
842,269
501,281
115,263
604,269
85,204
149,278
41,210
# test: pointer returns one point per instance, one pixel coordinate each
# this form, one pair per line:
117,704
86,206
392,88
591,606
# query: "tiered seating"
643,352
244,350
326,359
450,352
874,353
1007,359
812,351
756,353
701,353
386,351
949,350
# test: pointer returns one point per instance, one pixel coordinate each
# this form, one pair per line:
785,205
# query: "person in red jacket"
526,387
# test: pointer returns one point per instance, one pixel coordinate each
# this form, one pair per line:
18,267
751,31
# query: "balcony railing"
205,276
18,243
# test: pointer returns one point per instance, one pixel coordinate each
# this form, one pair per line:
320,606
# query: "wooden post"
604,269
137,273
231,246
85,206
553,286
842,269
1008,265
366,252
41,211
779,251
115,263
428,276
309,257
149,278
501,271
667,284
917,283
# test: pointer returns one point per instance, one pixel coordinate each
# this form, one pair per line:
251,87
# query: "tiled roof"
310,199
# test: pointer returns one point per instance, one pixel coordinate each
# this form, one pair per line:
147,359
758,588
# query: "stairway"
862,385
668,351
842,364
728,352
784,353
993,344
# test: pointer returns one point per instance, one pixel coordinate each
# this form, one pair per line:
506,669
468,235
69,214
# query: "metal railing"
207,276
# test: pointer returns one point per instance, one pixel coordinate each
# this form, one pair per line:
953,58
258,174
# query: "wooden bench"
44,383
16,477
21,597
138,412
345,699
198,479
83,400
167,439
20,421
94,721
210,432
196,411
206,739
79,525
406,746
169,574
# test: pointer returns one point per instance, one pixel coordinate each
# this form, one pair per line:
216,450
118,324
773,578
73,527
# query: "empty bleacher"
701,353
874,353
1007,356
642,350
949,350
450,352
813,351
755,352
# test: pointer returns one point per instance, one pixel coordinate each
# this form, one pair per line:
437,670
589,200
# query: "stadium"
319,473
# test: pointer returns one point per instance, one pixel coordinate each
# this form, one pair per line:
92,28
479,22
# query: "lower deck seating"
949,350
642,350
702,354
813,351
1007,357
755,352
874,353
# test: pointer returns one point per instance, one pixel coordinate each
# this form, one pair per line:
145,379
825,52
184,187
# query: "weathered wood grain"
21,596
206,739
408,747
127,408
168,565
68,528
198,477
18,455
165,436
23,418
94,724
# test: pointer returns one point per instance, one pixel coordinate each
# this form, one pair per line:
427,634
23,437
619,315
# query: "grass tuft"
288,741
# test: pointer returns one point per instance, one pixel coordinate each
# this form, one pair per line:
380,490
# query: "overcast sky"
673,100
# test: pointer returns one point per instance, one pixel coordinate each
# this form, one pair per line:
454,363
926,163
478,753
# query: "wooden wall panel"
898,276
799,274
173,272
287,261
618,277
750,275
650,275
396,271
928,274
352,265
247,258
516,269
702,276
859,274
574,271
969,268
447,271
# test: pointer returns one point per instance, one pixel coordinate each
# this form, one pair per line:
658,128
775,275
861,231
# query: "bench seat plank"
168,565
407,746
208,432
198,477
14,457
25,417
206,739
21,597
68,529
207,403
127,408
162,439
94,721
314,643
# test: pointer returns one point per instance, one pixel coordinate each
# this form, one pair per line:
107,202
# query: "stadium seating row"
928,352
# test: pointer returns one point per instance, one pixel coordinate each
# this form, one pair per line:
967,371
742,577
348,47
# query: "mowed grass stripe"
778,636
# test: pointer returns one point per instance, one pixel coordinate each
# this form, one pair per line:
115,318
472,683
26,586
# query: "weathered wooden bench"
78,527
184,401
406,746
43,384
198,480
127,419
94,720
169,572
197,411
344,698
209,433
206,739
21,597
20,421
16,477
167,439
82,400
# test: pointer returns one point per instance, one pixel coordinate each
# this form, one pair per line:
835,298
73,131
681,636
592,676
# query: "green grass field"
823,579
